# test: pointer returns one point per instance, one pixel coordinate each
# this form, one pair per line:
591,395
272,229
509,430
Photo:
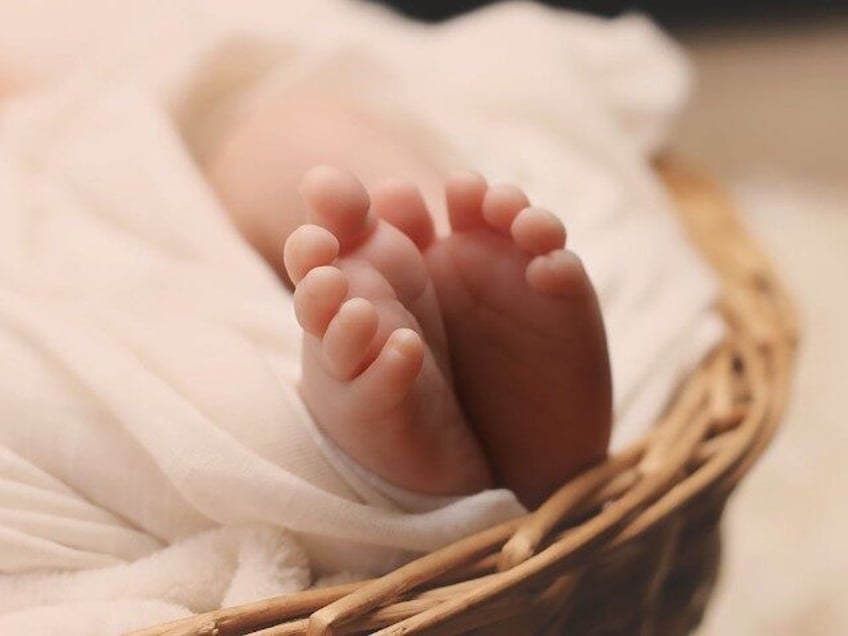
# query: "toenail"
405,341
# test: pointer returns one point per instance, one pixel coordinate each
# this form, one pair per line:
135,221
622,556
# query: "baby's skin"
443,364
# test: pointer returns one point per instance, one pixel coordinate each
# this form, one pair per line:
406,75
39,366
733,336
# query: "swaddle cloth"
155,458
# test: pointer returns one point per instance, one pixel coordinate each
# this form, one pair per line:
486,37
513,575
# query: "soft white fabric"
152,445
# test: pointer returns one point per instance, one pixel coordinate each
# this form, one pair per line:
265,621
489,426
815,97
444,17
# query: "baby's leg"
257,167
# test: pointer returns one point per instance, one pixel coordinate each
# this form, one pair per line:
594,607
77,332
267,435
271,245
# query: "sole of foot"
527,344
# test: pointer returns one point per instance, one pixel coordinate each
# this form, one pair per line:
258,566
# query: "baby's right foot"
526,338
370,380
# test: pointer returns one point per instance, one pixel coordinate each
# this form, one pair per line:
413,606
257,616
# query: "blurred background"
669,13
769,117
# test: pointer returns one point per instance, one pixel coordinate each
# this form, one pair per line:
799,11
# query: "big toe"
401,204
337,201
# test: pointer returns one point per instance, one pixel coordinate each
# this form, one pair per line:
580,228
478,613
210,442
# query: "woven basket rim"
714,430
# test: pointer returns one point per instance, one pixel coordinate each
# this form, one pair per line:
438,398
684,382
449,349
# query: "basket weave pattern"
632,545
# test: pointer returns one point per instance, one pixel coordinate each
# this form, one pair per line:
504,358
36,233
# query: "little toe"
464,192
349,338
388,380
318,297
400,203
501,205
559,273
538,231
337,201
308,247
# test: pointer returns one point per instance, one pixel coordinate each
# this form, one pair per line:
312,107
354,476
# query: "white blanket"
155,459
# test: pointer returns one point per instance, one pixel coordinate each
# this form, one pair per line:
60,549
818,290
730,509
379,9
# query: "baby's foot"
527,341
373,343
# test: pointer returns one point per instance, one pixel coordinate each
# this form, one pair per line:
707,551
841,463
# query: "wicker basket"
631,546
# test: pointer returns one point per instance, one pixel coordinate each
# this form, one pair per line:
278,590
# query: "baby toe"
501,205
538,231
308,247
559,273
349,338
464,192
337,201
400,203
317,298
387,382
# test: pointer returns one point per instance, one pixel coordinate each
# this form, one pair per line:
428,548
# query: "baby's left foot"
373,342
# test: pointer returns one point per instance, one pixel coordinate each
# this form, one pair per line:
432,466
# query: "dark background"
670,13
